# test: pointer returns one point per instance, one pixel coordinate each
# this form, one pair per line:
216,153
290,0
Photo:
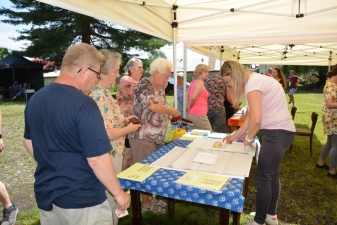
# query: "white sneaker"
271,220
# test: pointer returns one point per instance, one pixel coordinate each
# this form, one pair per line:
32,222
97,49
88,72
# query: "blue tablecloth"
162,183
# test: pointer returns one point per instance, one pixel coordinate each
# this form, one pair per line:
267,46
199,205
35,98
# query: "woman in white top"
268,112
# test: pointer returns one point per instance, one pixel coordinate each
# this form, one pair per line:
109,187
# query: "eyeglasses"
97,73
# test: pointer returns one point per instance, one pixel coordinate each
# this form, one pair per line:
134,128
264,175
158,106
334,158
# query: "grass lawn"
308,196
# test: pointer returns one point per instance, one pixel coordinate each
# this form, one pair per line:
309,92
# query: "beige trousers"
95,215
117,162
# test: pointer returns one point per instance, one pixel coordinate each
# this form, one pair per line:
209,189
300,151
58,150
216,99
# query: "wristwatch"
0,136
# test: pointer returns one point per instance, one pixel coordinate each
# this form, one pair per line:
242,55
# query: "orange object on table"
235,121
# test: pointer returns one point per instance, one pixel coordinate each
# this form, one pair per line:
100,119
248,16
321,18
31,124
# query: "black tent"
16,67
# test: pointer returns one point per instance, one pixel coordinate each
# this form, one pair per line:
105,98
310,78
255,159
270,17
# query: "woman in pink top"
197,96
125,98
267,112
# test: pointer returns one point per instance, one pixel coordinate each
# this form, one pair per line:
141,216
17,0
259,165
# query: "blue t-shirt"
66,128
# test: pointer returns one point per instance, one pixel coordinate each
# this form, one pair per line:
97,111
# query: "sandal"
153,208
159,203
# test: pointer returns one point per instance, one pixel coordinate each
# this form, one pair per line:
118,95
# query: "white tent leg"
184,84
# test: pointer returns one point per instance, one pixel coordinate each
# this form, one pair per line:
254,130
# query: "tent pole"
185,80
174,27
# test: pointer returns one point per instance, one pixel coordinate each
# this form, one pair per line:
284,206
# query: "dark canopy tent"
16,67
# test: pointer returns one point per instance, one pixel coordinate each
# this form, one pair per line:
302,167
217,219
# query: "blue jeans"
274,144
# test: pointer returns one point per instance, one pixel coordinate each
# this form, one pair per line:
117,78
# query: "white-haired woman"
116,124
125,97
268,112
152,109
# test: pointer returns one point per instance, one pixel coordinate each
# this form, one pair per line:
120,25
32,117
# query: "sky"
7,31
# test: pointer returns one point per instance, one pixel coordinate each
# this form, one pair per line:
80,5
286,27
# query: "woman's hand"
248,143
175,112
131,128
229,139
127,119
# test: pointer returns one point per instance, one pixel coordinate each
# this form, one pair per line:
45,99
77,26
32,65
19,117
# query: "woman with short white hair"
152,109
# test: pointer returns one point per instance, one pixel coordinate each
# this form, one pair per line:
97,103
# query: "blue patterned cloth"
162,183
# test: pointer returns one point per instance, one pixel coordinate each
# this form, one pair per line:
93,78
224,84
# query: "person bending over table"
267,112
116,125
152,108
125,97
197,95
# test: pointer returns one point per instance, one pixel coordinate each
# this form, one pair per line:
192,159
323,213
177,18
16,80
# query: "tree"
3,52
54,29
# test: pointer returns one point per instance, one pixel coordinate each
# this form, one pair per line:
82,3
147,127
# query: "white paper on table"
200,132
205,158
217,135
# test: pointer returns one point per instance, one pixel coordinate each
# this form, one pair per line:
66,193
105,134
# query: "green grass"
308,196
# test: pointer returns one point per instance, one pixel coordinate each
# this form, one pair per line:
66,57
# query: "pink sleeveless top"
200,106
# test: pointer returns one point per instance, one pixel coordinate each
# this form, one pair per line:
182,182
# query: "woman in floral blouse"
152,109
116,124
125,98
329,117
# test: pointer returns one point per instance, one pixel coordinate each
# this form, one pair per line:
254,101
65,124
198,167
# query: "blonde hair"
111,60
81,54
237,71
160,65
200,69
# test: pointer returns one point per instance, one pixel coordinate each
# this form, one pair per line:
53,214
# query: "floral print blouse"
216,88
154,124
125,94
329,116
112,115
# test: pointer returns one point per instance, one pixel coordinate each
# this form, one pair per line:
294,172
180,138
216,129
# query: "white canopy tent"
240,24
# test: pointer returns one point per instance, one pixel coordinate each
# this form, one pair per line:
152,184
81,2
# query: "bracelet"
249,140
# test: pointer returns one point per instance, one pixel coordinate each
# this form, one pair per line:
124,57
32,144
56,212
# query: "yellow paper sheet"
137,172
203,180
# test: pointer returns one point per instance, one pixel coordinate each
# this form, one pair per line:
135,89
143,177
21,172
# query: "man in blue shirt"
65,134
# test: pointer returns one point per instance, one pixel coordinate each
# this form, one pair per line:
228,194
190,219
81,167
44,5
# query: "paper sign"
203,180
137,172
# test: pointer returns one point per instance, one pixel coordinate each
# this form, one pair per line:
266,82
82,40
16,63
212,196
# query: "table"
235,121
162,183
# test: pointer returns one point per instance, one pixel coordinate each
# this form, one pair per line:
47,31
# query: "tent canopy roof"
17,61
235,23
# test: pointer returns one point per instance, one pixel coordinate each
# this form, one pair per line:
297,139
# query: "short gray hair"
131,63
160,65
111,59
81,54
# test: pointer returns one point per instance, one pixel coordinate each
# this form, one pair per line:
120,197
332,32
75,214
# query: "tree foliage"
3,52
51,30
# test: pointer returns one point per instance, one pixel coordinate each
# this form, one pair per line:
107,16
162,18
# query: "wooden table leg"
224,216
236,218
136,210
170,206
